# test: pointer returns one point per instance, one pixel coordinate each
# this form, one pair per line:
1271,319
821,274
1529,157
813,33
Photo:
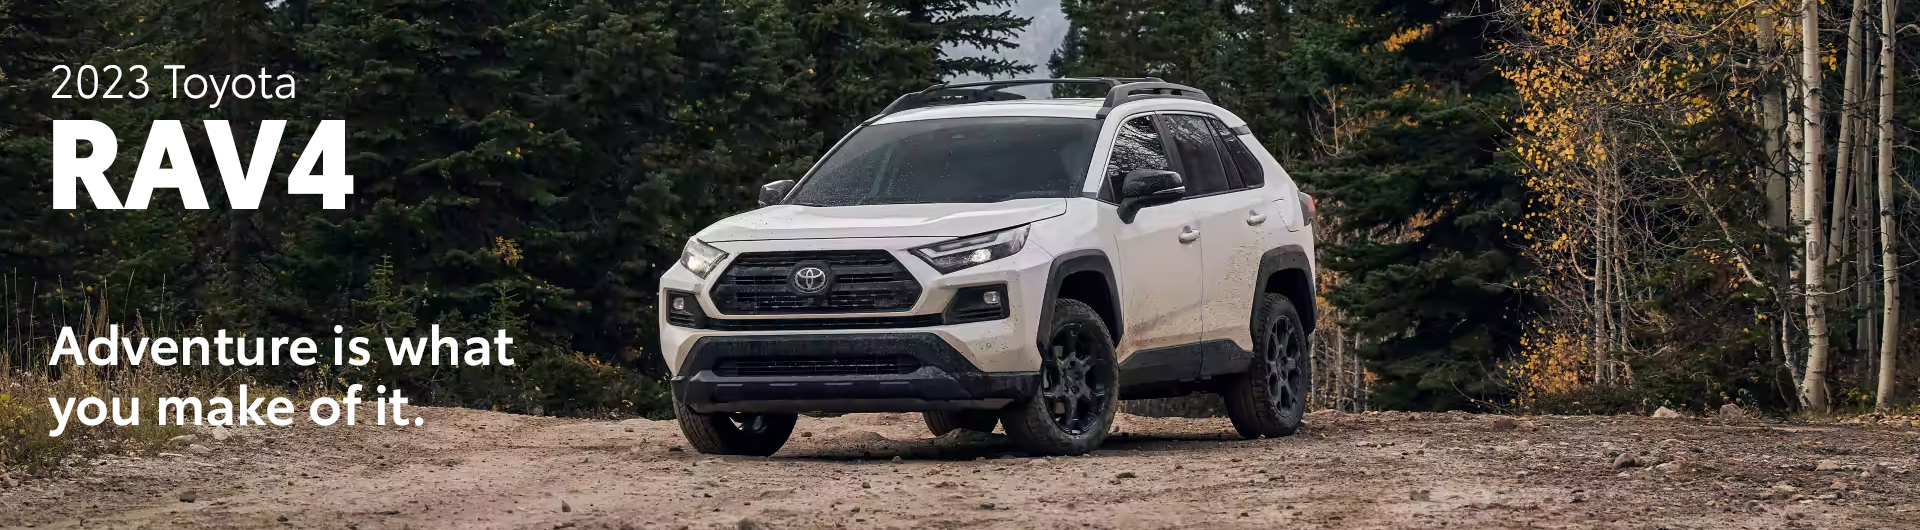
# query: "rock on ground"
1732,412
1623,461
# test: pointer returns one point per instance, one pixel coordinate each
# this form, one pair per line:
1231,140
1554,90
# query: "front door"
1160,262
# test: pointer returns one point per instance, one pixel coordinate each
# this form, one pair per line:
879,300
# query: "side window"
1137,146
1245,165
1199,153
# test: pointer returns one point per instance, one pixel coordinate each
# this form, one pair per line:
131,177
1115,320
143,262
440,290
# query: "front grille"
809,324
864,281
772,365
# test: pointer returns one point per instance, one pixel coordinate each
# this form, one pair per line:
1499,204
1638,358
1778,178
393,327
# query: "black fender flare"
1290,257
1080,261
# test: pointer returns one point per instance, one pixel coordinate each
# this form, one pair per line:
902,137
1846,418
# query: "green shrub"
1593,400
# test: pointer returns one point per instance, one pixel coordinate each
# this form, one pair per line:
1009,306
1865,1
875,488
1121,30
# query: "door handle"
1189,235
1255,219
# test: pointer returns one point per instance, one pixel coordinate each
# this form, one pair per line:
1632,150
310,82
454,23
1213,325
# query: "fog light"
683,310
977,304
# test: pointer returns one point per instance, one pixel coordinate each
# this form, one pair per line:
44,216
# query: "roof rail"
1119,90
1147,90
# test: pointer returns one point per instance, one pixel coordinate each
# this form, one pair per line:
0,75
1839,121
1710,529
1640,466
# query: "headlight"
950,256
701,258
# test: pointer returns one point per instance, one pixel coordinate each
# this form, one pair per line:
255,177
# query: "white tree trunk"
1813,389
1599,303
1771,116
1860,212
1796,193
1843,153
1796,142
1859,231
1779,194
1889,269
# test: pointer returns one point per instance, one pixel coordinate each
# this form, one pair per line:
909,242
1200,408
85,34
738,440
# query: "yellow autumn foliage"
1600,91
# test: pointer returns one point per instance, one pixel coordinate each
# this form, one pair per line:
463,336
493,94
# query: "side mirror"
772,193
1143,188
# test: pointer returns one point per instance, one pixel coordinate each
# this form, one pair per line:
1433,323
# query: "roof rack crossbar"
1005,83
1119,90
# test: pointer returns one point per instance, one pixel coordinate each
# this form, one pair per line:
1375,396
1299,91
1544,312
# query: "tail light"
1307,209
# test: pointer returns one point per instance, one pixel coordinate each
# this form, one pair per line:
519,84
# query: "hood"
788,221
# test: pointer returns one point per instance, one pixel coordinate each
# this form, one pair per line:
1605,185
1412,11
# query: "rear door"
1234,214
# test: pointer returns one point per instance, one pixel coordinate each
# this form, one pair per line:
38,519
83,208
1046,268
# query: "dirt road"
476,469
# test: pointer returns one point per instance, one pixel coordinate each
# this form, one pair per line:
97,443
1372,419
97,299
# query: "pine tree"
1183,41
1420,194
969,23
587,143
847,50
1392,120
34,37
41,249
218,39
866,54
1240,54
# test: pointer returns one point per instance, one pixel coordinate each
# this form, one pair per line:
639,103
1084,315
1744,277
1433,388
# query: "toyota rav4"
987,259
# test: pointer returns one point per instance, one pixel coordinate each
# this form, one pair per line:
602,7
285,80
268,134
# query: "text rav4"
166,141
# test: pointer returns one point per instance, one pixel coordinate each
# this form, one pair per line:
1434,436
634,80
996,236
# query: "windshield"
989,159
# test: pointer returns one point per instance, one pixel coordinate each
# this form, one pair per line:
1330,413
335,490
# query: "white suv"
951,257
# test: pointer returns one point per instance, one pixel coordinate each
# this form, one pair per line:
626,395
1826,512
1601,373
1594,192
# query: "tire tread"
715,434
1030,425
1245,393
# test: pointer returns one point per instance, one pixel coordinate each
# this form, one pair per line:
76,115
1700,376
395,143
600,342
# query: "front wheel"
1079,388
734,433
1270,398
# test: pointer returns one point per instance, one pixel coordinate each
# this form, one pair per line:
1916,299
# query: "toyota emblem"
809,280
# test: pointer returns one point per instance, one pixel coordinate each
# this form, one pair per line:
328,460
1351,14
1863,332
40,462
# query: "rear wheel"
946,421
1079,388
734,433
1270,398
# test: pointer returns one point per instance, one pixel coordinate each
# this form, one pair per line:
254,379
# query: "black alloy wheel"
1286,380
1270,398
1074,385
1071,411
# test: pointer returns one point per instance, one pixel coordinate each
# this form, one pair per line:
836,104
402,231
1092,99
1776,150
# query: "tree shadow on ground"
995,446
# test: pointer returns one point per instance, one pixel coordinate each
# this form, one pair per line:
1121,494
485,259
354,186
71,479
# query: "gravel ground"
478,469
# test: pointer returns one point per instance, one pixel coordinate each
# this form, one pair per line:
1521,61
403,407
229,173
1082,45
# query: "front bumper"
1004,345
937,365
842,372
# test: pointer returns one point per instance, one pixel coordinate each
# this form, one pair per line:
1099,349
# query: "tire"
946,421
1079,391
734,433
1270,399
